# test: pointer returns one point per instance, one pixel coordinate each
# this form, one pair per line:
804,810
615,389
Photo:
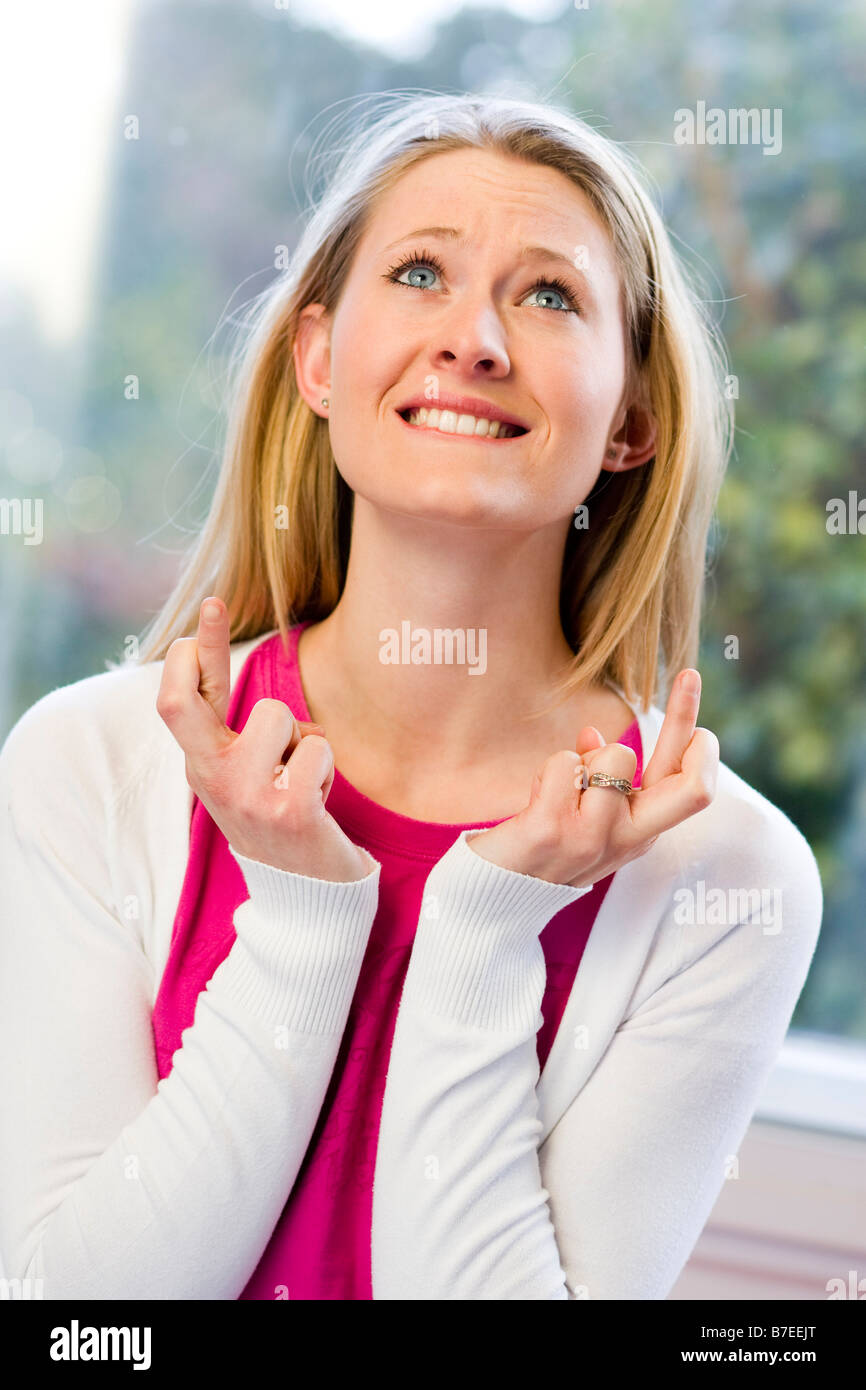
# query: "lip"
465,438
464,405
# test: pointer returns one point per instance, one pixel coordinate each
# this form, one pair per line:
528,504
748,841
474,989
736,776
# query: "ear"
633,443
311,353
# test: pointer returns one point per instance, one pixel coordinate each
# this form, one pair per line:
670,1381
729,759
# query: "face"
457,323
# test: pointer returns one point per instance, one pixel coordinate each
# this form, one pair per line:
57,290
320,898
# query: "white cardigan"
593,1180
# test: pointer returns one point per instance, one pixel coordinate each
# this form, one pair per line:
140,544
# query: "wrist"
530,858
524,857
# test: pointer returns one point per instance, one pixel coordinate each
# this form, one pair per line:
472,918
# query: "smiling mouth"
465,426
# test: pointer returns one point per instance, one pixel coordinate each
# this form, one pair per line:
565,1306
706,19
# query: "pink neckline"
380,826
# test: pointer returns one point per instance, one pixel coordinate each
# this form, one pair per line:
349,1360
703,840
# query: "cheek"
579,406
363,354
587,395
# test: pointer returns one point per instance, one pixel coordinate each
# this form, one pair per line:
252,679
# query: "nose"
471,337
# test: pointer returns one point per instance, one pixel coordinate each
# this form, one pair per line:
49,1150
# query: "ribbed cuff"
476,955
300,945
275,890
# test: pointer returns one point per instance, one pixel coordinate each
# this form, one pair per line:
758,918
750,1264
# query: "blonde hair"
632,583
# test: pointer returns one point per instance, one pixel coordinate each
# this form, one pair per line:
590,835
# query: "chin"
446,498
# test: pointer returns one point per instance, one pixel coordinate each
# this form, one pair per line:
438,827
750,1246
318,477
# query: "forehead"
497,197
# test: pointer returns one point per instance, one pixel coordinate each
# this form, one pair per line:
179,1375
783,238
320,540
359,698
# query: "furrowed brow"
454,233
525,253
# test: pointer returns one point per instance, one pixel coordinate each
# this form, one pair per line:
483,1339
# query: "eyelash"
429,259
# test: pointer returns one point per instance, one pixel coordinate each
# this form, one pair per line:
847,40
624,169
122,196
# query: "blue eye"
418,263
417,270
545,287
414,263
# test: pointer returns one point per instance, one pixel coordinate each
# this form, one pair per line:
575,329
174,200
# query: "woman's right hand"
265,787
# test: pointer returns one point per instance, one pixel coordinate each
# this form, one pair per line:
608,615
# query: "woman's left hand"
576,837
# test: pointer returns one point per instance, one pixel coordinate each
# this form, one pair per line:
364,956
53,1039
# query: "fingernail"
691,683
210,611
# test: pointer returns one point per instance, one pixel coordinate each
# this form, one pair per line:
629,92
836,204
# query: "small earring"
611,453
325,401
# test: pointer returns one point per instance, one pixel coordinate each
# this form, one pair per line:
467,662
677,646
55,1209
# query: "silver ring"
604,779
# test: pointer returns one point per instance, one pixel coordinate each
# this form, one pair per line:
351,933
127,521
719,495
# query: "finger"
676,732
191,719
329,780
682,793
269,730
214,656
306,728
536,787
558,784
309,774
588,738
301,728
607,805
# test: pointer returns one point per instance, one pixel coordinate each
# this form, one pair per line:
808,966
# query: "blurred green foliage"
229,97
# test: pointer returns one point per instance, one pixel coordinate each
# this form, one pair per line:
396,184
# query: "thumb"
309,773
588,739
269,727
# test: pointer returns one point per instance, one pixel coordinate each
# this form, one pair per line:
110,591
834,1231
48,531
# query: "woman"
296,905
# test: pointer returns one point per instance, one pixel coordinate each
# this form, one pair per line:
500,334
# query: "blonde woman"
377,934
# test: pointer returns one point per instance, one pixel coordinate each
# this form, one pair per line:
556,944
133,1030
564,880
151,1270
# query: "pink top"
320,1247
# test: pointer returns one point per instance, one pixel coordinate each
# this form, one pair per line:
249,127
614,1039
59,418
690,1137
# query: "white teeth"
450,423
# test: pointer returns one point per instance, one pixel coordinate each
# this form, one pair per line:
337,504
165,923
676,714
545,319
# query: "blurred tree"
228,98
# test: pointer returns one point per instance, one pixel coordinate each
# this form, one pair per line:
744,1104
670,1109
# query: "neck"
493,598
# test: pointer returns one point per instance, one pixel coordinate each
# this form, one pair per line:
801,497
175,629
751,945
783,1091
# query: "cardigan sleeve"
637,1162
114,1184
466,1206
458,1207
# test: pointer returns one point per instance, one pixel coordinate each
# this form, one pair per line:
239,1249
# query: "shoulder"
742,844
731,901
97,735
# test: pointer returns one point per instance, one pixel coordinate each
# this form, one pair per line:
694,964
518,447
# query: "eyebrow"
457,234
